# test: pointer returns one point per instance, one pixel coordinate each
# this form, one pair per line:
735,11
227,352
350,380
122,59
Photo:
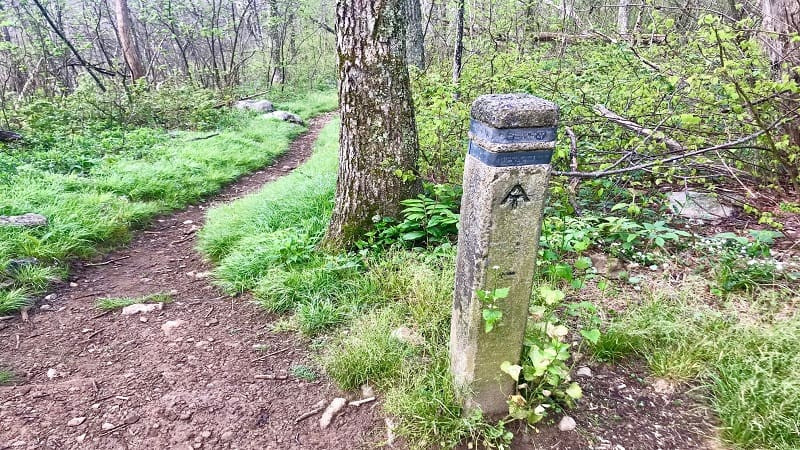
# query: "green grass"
12,300
6,377
304,373
114,303
751,369
94,209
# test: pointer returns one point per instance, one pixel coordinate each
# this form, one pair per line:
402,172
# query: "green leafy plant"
304,373
543,377
490,302
429,220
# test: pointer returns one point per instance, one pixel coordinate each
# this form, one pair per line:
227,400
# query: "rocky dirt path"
135,385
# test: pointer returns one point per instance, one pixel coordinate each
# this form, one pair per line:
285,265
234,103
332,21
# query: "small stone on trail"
131,419
141,308
226,436
170,326
76,421
260,347
188,222
333,409
663,386
81,438
107,426
50,297
622,386
52,373
567,424
212,322
73,285
584,372
143,319
46,307
408,336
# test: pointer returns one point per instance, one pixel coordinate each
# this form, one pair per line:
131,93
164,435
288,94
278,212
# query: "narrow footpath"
107,381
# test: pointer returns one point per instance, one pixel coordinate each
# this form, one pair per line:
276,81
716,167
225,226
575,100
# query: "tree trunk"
126,39
622,17
415,41
277,38
781,20
458,46
378,141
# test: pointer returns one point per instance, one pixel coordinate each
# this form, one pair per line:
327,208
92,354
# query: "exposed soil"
623,408
138,387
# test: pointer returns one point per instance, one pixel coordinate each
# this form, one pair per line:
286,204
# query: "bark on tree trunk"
622,17
378,133
458,46
126,39
781,19
415,41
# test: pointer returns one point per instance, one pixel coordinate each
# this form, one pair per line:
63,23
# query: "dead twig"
362,402
201,138
313,412
260,358
107,262
671,144
270,376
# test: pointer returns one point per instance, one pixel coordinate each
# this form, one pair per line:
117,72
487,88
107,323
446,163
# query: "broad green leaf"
513,370
592,335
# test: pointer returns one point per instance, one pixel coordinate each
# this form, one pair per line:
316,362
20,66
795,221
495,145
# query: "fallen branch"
201,138
107,262
671,144
592,37
605,173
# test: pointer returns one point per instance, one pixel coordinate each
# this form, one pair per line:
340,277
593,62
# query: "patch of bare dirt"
94,380
624,409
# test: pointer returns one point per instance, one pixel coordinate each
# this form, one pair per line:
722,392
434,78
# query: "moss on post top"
515,111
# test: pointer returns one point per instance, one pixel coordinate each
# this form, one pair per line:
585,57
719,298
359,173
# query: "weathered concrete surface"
514,111
501,216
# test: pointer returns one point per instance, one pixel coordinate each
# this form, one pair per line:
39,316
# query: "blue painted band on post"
509,159
511,135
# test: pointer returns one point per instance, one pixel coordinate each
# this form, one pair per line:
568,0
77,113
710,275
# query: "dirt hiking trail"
107,381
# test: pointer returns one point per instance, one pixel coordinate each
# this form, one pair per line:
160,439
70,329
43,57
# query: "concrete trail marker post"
512,137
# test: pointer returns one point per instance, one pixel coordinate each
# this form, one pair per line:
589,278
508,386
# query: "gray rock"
567,424
408,336
76,421
16,264
141,308
698,206
284,116
514,111
262,106
584,372
25,220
